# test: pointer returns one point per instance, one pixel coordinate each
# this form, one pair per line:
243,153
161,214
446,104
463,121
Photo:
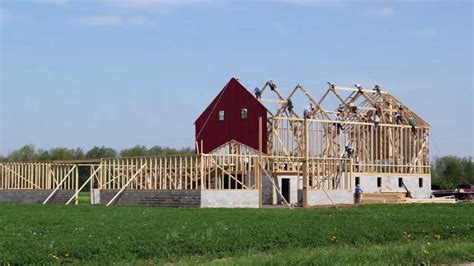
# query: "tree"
78,154
136,151
43,155
468,169
101,152
156,150
63,154
24,154
450,171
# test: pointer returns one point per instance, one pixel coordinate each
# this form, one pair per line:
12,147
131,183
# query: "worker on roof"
258,93
289,104
353,108
272,85
331,85
338,123
412,123
358,86
399,116
349,150
357,162
358,194
308,111
376,120
377,88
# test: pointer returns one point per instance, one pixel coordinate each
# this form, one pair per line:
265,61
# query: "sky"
127,72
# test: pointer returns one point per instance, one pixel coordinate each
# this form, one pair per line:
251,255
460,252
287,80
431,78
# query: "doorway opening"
285,189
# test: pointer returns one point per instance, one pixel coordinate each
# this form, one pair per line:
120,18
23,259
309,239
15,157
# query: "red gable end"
232,99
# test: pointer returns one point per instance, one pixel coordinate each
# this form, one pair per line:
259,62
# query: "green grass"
84,198
392,234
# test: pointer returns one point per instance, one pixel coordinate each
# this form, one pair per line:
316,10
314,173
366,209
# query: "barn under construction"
255,150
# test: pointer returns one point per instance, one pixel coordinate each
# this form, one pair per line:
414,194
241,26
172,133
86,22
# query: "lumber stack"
382,198
445,200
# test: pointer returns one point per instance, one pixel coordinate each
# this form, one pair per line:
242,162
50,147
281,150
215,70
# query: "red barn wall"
232,99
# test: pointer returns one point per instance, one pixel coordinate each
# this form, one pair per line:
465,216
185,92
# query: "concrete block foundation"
153,198
34,196
320,198
229,199
369,184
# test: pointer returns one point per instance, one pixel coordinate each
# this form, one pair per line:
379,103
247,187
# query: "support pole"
76,185
258,173
305,163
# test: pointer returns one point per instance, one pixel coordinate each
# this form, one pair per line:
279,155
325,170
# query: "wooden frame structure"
387,146
38,176
212,172
311,148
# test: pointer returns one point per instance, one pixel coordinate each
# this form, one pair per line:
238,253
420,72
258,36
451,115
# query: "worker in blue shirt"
258,93
358,194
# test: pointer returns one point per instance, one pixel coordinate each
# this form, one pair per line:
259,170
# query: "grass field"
367,234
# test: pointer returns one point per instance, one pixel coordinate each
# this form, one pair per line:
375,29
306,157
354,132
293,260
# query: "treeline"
29,153
449,171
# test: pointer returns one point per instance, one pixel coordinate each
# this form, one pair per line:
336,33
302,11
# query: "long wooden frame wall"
38,176
386,148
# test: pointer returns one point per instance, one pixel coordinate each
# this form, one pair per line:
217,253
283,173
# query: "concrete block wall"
153,198
368,184
229,199
267,190
37,196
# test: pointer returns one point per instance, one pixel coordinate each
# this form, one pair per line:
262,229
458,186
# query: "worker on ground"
358,194
349,150
289,104
376,120
412,123
258,93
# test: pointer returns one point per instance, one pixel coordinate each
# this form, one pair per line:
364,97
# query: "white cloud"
306,2
116,21
152,4
381,12
102,21
8,16
426,33
50,2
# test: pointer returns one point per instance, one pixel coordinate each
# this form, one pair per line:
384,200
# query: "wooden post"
203,186
258,173
77,185
91,190
305,163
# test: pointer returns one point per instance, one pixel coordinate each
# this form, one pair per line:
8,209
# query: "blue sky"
121,73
